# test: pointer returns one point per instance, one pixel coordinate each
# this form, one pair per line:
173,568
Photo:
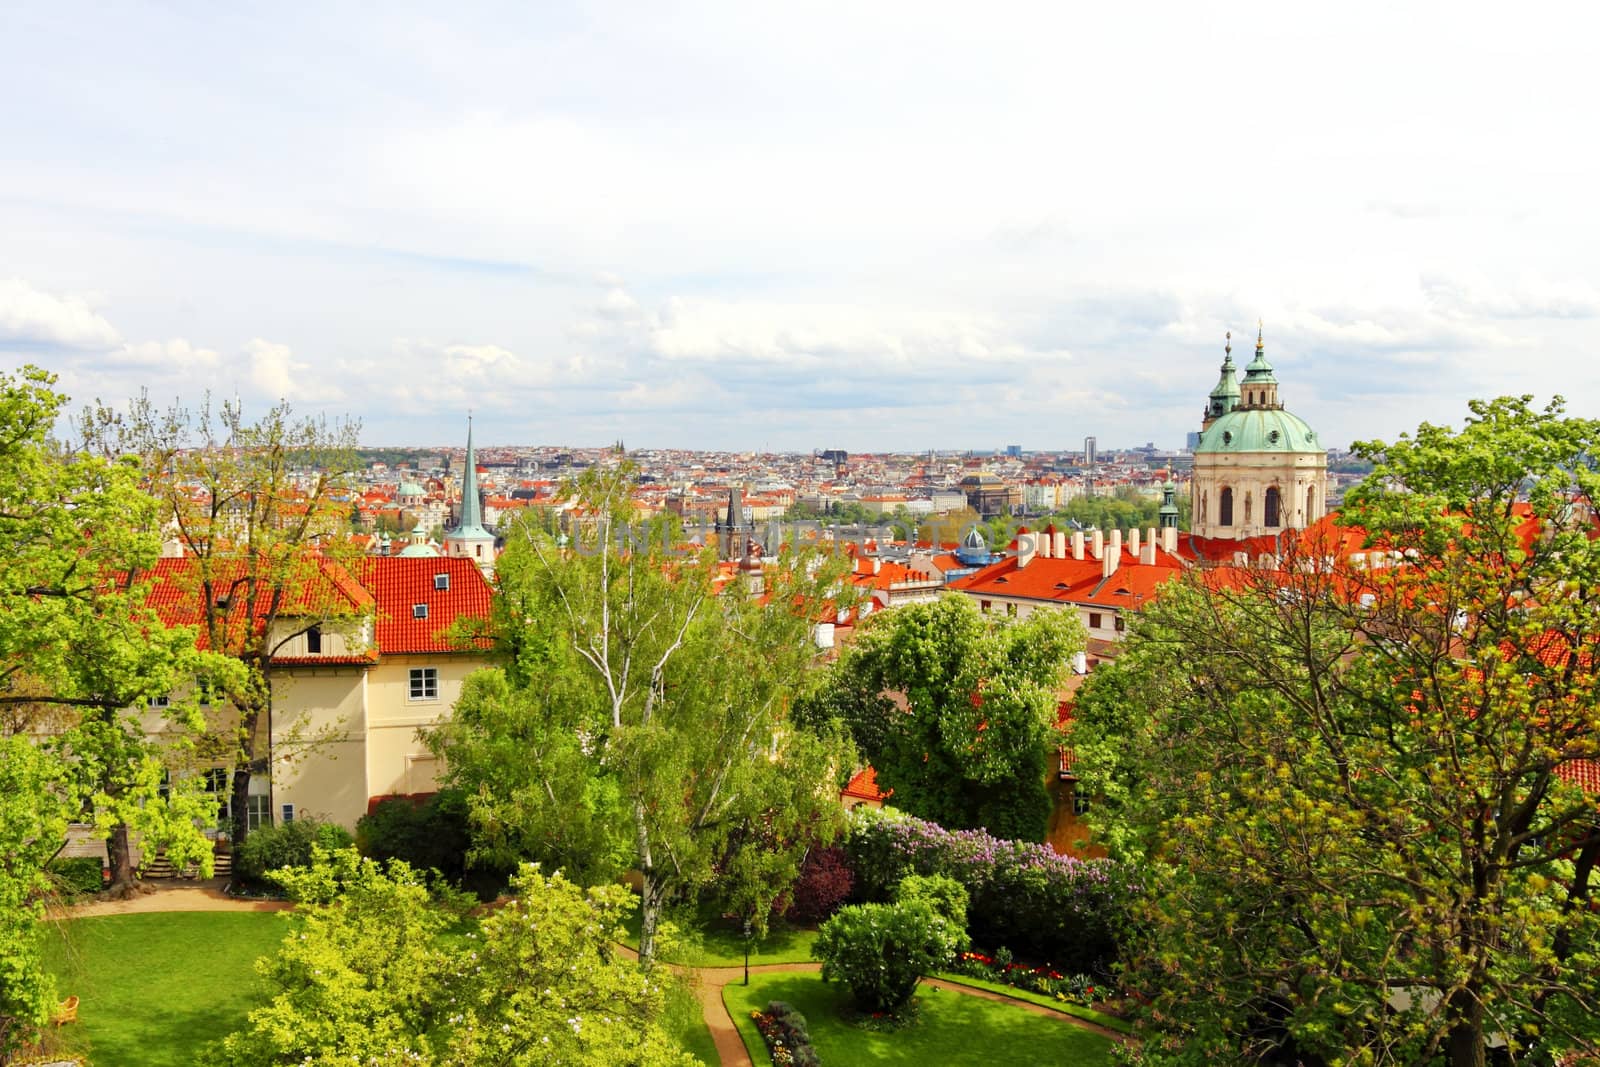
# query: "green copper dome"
1258,430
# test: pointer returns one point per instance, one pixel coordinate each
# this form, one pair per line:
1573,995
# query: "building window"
419,611
158,702
479,550
1311,506
257,811
1118,622
288,814
441,582
1227,508
983,606
314,641
1094,620
1011,610
1080,800
1272,507
424,683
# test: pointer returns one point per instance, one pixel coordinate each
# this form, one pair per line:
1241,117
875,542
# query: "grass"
705,939
1110,1022
155,989
951,1028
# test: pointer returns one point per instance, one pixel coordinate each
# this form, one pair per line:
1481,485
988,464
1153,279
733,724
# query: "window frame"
422,685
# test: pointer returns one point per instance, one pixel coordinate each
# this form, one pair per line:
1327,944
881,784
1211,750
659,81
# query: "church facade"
1258,469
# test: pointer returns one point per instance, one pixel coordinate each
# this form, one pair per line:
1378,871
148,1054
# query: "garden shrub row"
78,875
1051,908
287,845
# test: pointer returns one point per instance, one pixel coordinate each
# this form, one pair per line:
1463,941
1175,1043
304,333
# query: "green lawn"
952,1028
707,940
156,988
1110,1022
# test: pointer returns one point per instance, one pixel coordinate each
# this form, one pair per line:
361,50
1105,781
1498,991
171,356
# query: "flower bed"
1001,968
784,1031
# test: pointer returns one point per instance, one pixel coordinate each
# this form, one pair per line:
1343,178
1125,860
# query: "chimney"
1077,544
877,564
1116,545
1097,544
1060,547
1027,545
1169,540
1133,541
1147,555
1080,663
1109,562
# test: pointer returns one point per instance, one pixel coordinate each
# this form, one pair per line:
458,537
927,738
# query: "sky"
879,226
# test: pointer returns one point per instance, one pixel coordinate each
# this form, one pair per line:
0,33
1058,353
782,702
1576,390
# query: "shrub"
271,847
1071,988
944,895
784,1031
881,951
823,886
432,836
78,875
1051,907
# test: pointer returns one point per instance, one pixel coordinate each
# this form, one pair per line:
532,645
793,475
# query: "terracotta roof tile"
400,583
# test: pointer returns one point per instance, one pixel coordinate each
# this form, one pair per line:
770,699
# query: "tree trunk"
1465,1045
119,855
244,768
651,898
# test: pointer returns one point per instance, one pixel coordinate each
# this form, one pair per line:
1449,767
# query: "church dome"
1258,430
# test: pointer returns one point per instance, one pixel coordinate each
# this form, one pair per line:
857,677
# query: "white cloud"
175,356
278,374
33,317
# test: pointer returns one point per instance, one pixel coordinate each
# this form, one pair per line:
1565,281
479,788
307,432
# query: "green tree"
970,736
35,804
380,971
1352,780
642,714
81,651
260,512
881,951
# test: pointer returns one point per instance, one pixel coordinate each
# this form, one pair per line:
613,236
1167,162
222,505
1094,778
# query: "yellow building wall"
397,760
319,730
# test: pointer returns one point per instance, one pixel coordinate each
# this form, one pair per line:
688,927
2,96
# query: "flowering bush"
881,950
823,886
784,1031
1073,988
1054,907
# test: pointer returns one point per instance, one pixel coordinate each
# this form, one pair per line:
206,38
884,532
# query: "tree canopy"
1355,779
641,715
956,710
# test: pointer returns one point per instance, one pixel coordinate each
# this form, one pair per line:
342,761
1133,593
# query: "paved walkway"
708,982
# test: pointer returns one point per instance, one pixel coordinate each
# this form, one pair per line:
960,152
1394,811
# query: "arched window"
1226,518
1311,505
1272,508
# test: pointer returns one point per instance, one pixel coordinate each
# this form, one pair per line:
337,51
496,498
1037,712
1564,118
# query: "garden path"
186,896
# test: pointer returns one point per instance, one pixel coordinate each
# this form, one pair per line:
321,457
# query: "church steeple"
1260,384
468,537
1225,397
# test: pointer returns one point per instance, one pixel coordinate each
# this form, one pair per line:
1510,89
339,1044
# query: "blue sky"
883,226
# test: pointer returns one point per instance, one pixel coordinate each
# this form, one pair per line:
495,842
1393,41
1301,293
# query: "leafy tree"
379,971
80,650
973,741
260,513
641,717
35,804
1351,780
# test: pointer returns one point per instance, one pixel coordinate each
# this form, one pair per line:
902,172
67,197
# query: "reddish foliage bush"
823,886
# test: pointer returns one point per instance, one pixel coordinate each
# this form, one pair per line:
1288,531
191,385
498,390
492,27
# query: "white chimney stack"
1077,544
1060,548
1097,544
1133,540
1169,539
1116,544
1027,545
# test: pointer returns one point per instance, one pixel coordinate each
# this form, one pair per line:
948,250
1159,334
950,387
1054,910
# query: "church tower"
733,532
468,537
1257,469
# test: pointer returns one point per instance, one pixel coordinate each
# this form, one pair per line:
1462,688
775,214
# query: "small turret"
1260,384
1225,397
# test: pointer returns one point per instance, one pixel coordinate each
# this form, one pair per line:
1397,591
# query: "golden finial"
1227,347
1260,329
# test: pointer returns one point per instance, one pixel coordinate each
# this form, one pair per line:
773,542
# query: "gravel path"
181,896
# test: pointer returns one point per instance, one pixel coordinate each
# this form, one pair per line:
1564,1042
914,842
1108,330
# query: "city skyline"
720,228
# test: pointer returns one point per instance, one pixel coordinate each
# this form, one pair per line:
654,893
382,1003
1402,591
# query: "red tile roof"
865,786
1073,581
399,583
175,593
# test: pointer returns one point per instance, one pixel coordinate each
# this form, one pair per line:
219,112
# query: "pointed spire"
470,527
1261,329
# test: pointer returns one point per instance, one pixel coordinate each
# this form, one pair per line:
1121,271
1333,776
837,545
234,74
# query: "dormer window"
441,582
419,611
314,641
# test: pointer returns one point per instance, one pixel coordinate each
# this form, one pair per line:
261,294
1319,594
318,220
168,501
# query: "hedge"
1051,908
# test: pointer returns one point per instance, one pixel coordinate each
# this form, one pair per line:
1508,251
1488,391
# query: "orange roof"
400,583
1073,581
865,785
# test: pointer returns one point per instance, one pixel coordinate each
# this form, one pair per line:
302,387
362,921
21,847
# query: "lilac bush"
1051,907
